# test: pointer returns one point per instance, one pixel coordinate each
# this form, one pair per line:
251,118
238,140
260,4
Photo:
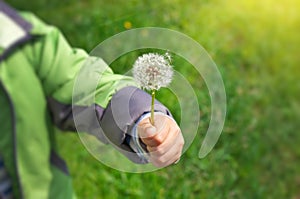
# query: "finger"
172,155
154,135
175,160
167,154
158,138
168,158
145,129
162,142
170,140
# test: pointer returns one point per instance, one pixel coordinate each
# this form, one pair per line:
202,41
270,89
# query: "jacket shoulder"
16,31
20,27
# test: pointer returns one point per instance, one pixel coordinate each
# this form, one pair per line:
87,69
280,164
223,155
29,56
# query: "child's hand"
164,140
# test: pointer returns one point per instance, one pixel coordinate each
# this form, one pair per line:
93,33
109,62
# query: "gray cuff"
124,109
135,142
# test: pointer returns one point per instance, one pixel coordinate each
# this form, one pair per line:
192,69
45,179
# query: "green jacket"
37,73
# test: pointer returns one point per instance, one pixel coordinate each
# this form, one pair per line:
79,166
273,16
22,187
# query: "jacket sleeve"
116,106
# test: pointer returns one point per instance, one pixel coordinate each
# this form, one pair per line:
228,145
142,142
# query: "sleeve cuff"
135,142
122,113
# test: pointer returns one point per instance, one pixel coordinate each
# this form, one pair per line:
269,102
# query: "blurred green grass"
256,47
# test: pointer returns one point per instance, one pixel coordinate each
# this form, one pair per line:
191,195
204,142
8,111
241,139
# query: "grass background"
255,44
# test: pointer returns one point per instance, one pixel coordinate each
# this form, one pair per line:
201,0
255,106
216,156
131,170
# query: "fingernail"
150,131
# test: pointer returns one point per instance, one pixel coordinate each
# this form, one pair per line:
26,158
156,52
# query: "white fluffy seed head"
153,71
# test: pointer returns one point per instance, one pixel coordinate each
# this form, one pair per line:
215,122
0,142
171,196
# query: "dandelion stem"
152,107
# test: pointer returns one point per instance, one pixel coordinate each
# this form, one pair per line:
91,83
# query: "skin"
164,140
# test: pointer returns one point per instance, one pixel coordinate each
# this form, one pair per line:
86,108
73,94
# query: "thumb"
146,130
150,131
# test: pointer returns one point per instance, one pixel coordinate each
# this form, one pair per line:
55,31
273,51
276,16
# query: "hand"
164,140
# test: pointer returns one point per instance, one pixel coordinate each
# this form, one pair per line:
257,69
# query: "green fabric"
57,64
45,67
7,138
32,143
61,185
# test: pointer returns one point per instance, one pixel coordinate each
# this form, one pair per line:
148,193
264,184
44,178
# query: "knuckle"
181,139
155,162
176,131
159,151
180,148
181,142
159,139
161,160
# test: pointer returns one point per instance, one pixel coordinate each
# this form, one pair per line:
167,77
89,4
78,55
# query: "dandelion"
153,71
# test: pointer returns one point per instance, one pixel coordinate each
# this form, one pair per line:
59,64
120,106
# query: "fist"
164,140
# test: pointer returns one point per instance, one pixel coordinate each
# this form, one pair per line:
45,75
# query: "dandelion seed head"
153,71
